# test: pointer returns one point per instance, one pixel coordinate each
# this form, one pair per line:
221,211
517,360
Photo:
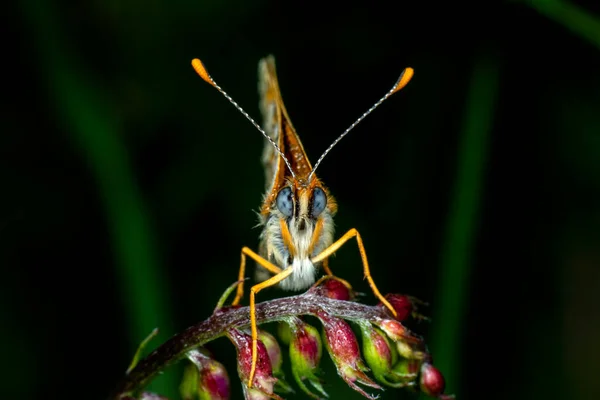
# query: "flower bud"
432,382
284,333
305,355
264,381
210,381
406,372
272,349
188,389
342,346
407,345
401,304
410,352
334,288
396,331
274,352
404,306
378,353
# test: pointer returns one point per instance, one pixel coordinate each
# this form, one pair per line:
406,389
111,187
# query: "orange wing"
278,126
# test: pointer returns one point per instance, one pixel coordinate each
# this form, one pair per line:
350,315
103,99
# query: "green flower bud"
408,351
405,372
274,351
378,353
188,389
305,355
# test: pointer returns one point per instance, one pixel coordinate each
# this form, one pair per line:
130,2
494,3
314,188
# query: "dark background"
130,185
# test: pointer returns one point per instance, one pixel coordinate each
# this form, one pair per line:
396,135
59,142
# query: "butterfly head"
302,214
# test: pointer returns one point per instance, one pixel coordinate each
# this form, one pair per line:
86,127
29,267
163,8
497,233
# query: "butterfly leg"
363,254
326,267
330,275
278,277
241,275
253,291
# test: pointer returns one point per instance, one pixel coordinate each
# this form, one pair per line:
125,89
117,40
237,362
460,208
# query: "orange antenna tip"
201,70
404,78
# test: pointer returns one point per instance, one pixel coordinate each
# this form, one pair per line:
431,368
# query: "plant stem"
216,326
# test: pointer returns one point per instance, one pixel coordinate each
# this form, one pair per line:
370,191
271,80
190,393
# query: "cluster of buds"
395,356
390,353
414,365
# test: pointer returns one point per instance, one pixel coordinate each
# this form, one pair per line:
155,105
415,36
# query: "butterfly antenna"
201,70
402,81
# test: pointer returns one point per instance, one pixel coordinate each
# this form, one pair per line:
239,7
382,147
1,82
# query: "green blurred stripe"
579,21
91,120
462,225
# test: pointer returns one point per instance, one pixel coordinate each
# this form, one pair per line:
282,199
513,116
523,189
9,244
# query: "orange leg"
326,267
279,276
363,254
241,275
253,290
330,275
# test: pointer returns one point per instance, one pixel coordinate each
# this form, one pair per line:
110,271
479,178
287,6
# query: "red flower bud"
264,381
305,355
396,331
334,288
432,382
404,306
342,346
210,382
401,304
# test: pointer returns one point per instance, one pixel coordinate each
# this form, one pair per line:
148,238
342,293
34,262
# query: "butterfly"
297,212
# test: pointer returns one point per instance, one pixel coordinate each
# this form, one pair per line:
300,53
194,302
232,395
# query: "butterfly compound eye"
284,201
319,202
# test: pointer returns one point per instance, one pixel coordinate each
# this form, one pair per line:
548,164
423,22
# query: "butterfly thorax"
298,225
